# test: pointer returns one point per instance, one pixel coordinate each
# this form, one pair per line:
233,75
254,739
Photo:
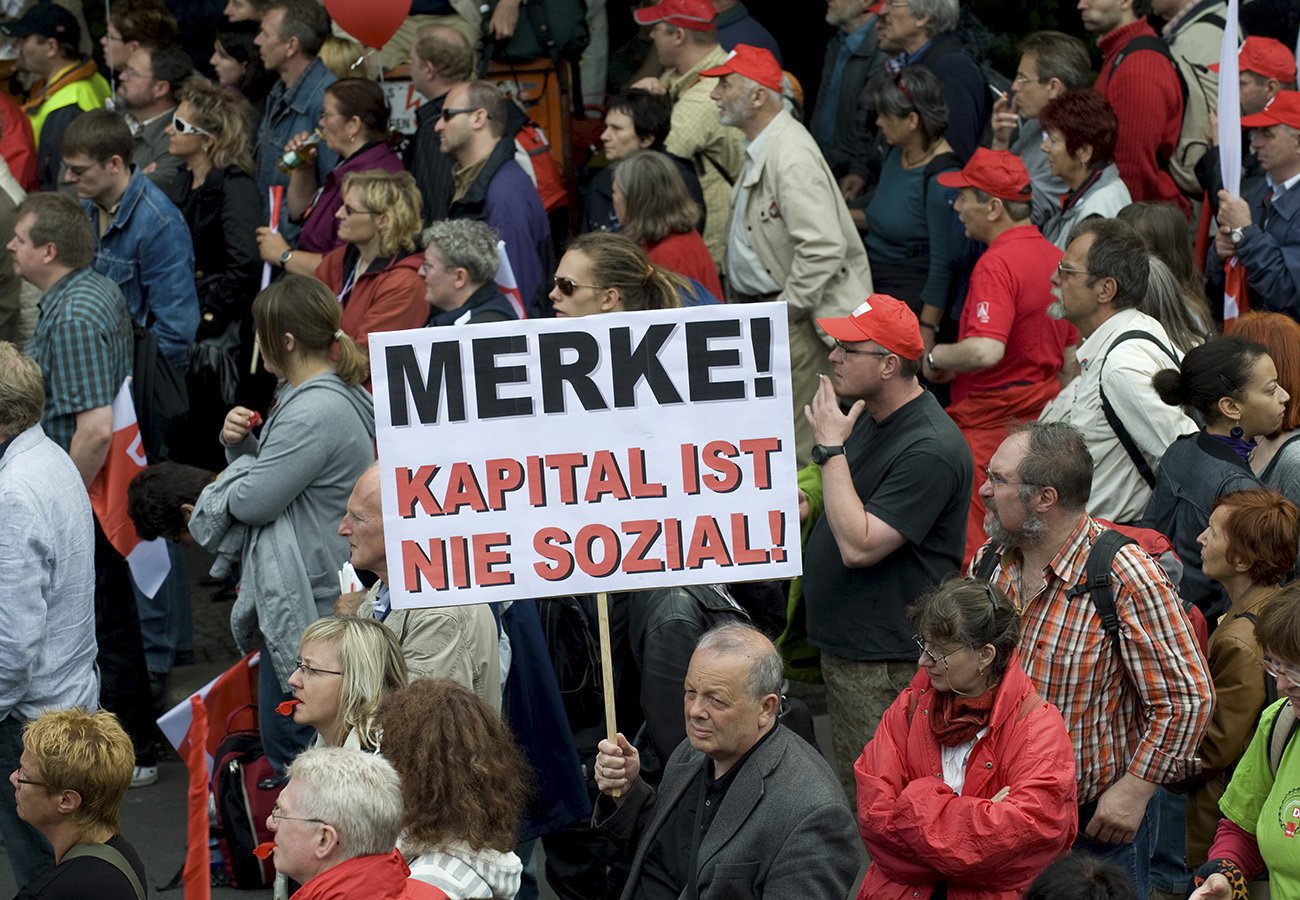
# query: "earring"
1237,433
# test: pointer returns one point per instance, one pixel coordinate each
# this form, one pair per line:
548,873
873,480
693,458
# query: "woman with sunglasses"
909,222
346,664
1249,547
604,272
967,788
218,198
1259,808
1079,129
376,272
354,124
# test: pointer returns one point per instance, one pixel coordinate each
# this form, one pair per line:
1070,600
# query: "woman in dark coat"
209,133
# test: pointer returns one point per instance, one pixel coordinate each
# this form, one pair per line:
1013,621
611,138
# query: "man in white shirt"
1100,281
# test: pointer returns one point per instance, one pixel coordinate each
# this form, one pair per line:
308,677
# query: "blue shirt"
291,110
147,251
823,126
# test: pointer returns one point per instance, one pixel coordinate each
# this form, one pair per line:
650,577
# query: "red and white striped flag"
147,559
506,281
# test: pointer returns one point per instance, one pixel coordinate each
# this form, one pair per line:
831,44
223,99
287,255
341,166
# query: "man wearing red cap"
789,234
1265,66
1009,354
896,483
1264,234
686,44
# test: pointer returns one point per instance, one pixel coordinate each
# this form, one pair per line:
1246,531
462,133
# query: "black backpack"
547,29
246,790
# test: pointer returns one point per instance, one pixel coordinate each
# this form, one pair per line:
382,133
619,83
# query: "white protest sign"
558,456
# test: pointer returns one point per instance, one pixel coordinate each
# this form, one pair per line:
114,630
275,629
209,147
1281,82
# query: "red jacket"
1148,103
378,877
17,144
388,300
919,832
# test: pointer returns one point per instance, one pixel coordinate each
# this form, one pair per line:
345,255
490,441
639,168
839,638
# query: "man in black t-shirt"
73,774
896,481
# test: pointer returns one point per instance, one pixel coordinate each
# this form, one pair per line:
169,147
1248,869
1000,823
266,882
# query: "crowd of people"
1049,474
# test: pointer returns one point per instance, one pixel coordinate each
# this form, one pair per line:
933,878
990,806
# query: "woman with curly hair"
464,785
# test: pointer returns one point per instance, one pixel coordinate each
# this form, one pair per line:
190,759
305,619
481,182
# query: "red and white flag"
147,559
506,281
1234,287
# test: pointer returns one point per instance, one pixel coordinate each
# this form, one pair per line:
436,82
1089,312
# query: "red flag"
1236,301
147,559
506,281
197,874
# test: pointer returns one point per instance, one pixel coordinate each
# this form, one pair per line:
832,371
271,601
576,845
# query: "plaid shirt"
83,344
1142,710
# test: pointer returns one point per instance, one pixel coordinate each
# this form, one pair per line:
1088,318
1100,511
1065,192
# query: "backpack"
1112,418
246,789
533,153
1097,579
1200,90
547,29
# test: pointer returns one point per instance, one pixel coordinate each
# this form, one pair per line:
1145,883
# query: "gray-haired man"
459,271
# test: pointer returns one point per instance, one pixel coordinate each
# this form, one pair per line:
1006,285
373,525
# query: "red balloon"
372,22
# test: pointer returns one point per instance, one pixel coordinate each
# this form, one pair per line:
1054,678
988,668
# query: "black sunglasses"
567,285
449,114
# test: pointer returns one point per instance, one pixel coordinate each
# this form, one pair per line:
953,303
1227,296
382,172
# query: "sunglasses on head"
567,285
180,126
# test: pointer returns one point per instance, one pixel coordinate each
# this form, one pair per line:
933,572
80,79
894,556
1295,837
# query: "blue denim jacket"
148,253
289,111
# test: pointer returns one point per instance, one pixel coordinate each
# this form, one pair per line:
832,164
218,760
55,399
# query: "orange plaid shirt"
1142,710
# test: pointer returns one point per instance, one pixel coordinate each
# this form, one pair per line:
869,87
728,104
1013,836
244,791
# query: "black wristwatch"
821,453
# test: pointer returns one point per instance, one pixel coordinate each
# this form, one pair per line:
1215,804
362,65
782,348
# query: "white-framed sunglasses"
180,126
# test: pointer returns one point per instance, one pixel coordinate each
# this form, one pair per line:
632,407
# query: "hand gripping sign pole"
607,668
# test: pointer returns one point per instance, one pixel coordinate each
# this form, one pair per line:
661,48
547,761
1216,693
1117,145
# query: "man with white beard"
1098,285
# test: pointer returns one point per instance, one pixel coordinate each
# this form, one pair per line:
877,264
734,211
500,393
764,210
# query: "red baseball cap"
1283,109
996,172
755,63
883,319
1266,57
693,15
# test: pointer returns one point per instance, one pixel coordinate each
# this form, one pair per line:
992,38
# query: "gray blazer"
784,829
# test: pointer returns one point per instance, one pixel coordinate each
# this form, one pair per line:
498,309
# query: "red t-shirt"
687,255
1010,290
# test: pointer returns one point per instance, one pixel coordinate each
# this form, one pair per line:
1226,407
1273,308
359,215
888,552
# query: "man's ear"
771,708
187,510
327,841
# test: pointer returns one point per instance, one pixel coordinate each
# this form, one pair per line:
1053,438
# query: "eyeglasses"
1025,79
78,171
180,126
937,660
567,285
279,817
999,481
449,114
350,211
23,779
312,670
1277,670
132,73
1066,271
851,351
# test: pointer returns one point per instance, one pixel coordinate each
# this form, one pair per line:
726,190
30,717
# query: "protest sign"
617,452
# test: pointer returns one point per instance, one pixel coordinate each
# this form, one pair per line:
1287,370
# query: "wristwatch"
821,453
284,257
1236,235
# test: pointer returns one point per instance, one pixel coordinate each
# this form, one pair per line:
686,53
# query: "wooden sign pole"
607,668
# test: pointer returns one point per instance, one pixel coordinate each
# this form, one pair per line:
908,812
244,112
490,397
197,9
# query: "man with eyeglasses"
336,825
67,83
1009,358
1097,287
1136,698
896,482
147,88
1051,63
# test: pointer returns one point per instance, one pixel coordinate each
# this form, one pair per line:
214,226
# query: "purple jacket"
320,227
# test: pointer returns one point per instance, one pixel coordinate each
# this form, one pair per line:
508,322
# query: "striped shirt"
83,345
1142,710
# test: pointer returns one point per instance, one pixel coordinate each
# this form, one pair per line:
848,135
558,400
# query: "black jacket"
855,146
965,89
430,166
487,304
223,214
599,215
